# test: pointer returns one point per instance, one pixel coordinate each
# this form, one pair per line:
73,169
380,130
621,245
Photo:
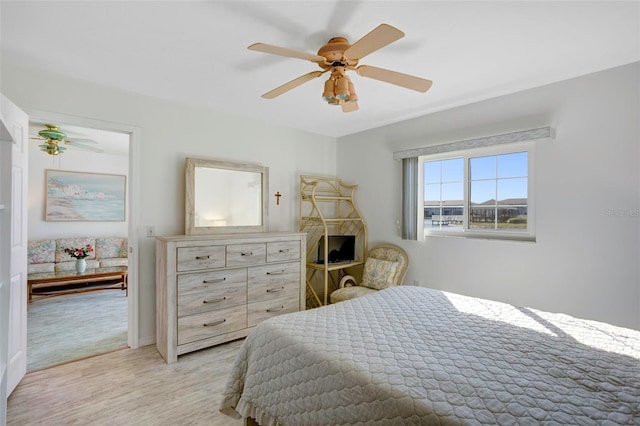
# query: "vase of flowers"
79,254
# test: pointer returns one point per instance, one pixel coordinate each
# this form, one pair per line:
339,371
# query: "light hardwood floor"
127,387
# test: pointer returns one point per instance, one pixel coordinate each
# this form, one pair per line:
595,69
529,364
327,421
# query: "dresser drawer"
208,281
209,324
246,254
263,274
283,250
270,291
213,290
196,258
272,281
261,311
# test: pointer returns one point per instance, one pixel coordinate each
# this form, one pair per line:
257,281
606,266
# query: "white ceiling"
196,52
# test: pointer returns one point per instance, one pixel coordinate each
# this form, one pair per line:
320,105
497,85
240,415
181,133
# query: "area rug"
75,326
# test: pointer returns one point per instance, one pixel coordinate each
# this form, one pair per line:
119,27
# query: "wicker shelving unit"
327,207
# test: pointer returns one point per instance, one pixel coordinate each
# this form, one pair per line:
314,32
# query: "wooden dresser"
211,289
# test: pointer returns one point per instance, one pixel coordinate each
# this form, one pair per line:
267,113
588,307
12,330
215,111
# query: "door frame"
133,317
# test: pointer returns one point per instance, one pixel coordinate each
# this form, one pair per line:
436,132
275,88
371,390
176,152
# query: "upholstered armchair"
386,266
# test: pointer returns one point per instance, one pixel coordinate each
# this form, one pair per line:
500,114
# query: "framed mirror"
225,197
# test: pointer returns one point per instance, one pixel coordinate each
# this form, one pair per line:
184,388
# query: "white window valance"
521,136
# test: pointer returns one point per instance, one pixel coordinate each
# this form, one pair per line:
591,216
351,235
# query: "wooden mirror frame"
194,196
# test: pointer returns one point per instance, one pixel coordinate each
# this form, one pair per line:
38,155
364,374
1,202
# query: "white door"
14,127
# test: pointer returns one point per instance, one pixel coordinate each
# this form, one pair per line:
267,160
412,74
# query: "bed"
413,355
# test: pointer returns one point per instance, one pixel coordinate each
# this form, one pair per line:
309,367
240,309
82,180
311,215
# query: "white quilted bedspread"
412,355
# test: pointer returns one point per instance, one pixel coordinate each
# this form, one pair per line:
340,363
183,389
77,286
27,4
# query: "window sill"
482,236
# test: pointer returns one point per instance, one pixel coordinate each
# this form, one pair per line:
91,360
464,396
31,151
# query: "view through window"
488,193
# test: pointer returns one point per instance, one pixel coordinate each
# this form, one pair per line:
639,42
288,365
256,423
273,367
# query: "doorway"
73,326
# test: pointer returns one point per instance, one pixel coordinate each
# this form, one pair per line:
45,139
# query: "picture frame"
84,197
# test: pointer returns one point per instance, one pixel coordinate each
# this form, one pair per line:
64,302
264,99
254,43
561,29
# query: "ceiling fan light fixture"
342,88
52,148
329,93
352,93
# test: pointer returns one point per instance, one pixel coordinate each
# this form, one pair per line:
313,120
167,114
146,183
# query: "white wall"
171,132
72,160
585,261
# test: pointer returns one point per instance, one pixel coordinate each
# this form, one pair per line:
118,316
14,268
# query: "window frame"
467,154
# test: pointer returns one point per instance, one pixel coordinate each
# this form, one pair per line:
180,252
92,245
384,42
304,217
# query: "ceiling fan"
55,139
337,57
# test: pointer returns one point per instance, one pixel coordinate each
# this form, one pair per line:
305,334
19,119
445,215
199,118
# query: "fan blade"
75,144
76,140
350,106
292,84
393,77
284,51
378,38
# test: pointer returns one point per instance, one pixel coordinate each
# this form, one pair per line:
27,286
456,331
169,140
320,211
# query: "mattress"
412,355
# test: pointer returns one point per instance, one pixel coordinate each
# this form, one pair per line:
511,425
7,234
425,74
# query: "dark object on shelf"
341,248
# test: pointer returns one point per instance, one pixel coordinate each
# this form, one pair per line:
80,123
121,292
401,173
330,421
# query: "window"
483,192
497,187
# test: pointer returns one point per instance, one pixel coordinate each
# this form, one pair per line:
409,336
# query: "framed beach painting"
79,196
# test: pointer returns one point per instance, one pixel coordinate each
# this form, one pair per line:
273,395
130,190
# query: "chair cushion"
64,243
347,293
41,251
379,274
36,268
111,247
118,261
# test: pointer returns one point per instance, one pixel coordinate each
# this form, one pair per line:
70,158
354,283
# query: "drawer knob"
281,271
202,257
276,309
246,253
284,250
274,290
218,280
211,324
214,300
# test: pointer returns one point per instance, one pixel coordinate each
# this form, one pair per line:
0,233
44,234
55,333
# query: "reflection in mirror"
224,197
232,200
